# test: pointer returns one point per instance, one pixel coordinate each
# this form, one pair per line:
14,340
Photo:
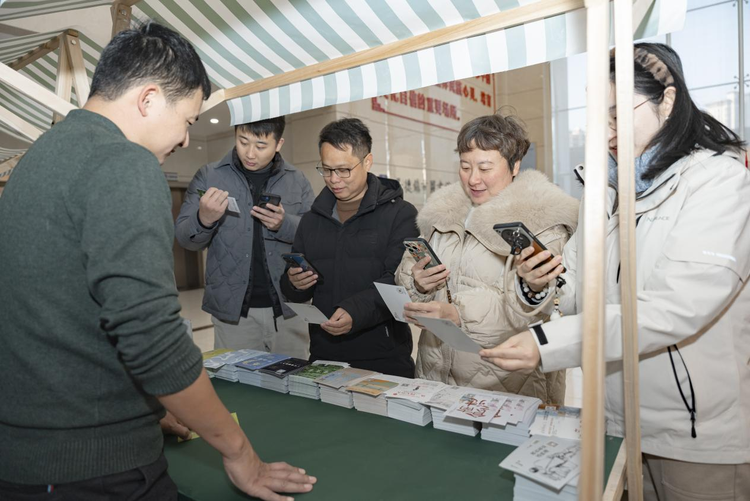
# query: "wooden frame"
77,67
624,85
64,79
591,484
19,124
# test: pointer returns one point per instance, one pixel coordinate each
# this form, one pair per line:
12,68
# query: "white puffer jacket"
693,263
476,256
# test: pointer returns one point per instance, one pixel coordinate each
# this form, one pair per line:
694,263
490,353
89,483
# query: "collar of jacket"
530,199
379,191
664,184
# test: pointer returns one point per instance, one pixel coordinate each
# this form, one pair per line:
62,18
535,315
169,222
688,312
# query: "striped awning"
14,9
7,154
43,71
241,41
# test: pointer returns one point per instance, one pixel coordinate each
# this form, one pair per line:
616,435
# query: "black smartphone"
419,249
268,198
297,260
519,237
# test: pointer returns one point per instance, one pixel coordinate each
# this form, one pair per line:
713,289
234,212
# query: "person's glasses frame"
343,173
612,121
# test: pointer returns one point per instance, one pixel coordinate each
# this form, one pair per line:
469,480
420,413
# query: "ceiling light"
214,120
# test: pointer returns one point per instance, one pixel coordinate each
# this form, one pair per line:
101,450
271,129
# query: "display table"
354,455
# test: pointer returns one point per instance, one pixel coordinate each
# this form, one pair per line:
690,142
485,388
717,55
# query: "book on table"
369,394
511,424
440,402
222,363
333,386
545,468
249,369
302,383
406,402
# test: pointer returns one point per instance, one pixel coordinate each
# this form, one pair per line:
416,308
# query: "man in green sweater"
92,347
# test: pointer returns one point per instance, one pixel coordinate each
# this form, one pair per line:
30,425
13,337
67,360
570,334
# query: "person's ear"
367,162
279,144
667,103
516,168
147,99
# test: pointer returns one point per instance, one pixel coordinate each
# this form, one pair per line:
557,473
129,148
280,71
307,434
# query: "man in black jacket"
353,236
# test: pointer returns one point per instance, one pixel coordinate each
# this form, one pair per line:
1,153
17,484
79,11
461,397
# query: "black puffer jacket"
368,247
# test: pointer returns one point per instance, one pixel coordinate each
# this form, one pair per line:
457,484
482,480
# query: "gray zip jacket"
230,240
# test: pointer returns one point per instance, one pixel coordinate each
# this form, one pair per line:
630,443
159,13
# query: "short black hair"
347,131
262,128
149,53
505,134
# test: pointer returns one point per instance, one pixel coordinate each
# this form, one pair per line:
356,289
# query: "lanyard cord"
690,409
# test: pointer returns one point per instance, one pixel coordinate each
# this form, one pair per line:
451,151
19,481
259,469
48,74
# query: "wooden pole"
478,26
616,482
77,68
591,484
30,88
19,124
64,79
37,53
626,196
121,14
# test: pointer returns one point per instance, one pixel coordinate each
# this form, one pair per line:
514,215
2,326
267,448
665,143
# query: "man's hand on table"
264,480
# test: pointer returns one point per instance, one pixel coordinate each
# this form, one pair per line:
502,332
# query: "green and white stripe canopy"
14,9
241,41
7,154
42,71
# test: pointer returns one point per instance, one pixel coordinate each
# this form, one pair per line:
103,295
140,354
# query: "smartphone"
201,193
519,237
268,198
419,249
297,260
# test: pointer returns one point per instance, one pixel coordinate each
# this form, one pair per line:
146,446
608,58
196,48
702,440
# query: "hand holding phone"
534,263
428,272
301,273
268,198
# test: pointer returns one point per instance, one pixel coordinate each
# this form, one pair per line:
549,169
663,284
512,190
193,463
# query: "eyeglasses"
340,172
612,121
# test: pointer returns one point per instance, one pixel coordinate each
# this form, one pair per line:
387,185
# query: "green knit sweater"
90,327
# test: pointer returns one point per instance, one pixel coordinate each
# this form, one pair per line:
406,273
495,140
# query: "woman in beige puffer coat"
457,221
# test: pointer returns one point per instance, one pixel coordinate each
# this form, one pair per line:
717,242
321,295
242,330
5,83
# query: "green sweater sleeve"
127,237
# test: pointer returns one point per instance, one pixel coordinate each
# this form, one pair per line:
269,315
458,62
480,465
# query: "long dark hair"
657,66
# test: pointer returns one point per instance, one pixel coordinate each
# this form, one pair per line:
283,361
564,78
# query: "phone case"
268,198
419,248
297,260
519,237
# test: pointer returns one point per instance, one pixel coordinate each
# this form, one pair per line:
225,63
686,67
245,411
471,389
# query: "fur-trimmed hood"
531,199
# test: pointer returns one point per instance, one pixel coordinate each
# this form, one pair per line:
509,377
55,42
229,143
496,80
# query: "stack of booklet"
555,421
545,468
248,369
333,385
511,424
276,376
442,401
369,394
406,401
302,383
222,366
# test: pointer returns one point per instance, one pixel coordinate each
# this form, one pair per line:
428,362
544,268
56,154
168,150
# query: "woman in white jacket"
693,263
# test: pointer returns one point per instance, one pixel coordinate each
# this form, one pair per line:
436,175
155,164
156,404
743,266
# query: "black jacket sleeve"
287,289
367,308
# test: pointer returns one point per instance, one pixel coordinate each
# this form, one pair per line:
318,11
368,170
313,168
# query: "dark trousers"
402,366
146,483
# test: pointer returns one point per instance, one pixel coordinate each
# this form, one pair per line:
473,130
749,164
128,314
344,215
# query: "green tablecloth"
355,455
